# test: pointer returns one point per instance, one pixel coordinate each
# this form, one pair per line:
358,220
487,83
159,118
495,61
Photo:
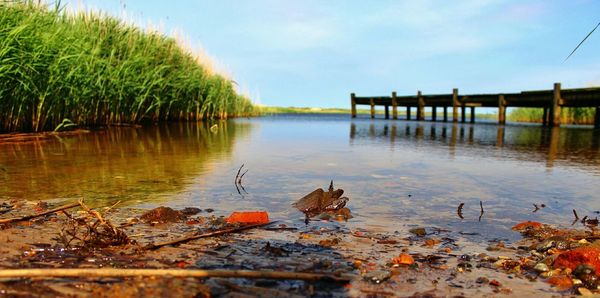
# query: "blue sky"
315,52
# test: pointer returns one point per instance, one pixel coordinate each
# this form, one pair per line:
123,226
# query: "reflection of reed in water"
123,163
579,147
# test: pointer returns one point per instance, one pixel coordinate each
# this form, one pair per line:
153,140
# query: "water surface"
398,174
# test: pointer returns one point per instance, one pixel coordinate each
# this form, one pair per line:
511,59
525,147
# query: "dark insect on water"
320,201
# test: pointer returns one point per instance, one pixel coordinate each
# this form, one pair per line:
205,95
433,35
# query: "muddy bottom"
426,262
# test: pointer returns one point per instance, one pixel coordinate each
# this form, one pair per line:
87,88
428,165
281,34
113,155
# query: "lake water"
397,174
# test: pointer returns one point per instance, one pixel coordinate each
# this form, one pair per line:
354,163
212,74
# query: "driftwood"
117,272
27,217
205,235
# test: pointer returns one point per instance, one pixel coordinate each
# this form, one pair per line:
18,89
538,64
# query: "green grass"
96,70
568,115
268,110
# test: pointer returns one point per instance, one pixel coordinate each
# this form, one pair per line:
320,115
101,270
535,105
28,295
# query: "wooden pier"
550,100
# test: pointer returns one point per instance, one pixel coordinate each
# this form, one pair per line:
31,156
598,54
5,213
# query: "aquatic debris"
481,214
238,180
319,201
403,259
28,217
378,276
5,208
205,235
538,207
459,210
589,255
527,225
248,217
92,230
162,214
420,232
120,272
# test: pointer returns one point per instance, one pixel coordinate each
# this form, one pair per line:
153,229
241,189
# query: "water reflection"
578,147
119,163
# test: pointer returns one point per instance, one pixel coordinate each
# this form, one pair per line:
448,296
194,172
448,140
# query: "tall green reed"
567,115
96,70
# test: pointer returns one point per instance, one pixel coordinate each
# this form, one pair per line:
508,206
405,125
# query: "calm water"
397,174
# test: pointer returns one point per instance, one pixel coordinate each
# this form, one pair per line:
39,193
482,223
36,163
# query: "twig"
238,178
575,213
536,208
482,212
27,217
459,210
118,272
205,235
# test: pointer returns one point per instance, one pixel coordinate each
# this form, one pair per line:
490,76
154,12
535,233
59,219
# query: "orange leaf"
533,225
583,255
249,217
403,259
562,282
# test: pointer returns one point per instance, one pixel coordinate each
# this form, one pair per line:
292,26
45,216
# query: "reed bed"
95,70
568,115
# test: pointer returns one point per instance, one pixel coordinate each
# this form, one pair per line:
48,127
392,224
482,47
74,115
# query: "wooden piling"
472,114
445,114
555,108
545,117
463,113
421,107
455,105
394,106
387,112
372,101
353,104
433,113
407,113
501,110
597,118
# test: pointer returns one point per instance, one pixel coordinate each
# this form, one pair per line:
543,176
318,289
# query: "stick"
482,212
27,217
575,213
117,272
205,235
459,210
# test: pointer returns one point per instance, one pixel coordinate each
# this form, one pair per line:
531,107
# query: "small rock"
188,211
541,267
162,215
418,231
482,280
494,283
378,276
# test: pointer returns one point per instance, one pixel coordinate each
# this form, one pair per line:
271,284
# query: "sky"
316,52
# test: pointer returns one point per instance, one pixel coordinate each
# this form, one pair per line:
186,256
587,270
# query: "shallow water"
397,174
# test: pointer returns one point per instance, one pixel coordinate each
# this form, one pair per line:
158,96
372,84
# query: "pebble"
541,267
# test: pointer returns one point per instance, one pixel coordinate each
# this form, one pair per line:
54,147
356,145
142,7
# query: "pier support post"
501,110
555,109
421,107
455,105
445,114
407,113
387,112
394,106
463,113
545,117
472,114
433,113
597,118
353,104
372,108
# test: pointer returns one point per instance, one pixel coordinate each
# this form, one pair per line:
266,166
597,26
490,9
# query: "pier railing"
550,100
